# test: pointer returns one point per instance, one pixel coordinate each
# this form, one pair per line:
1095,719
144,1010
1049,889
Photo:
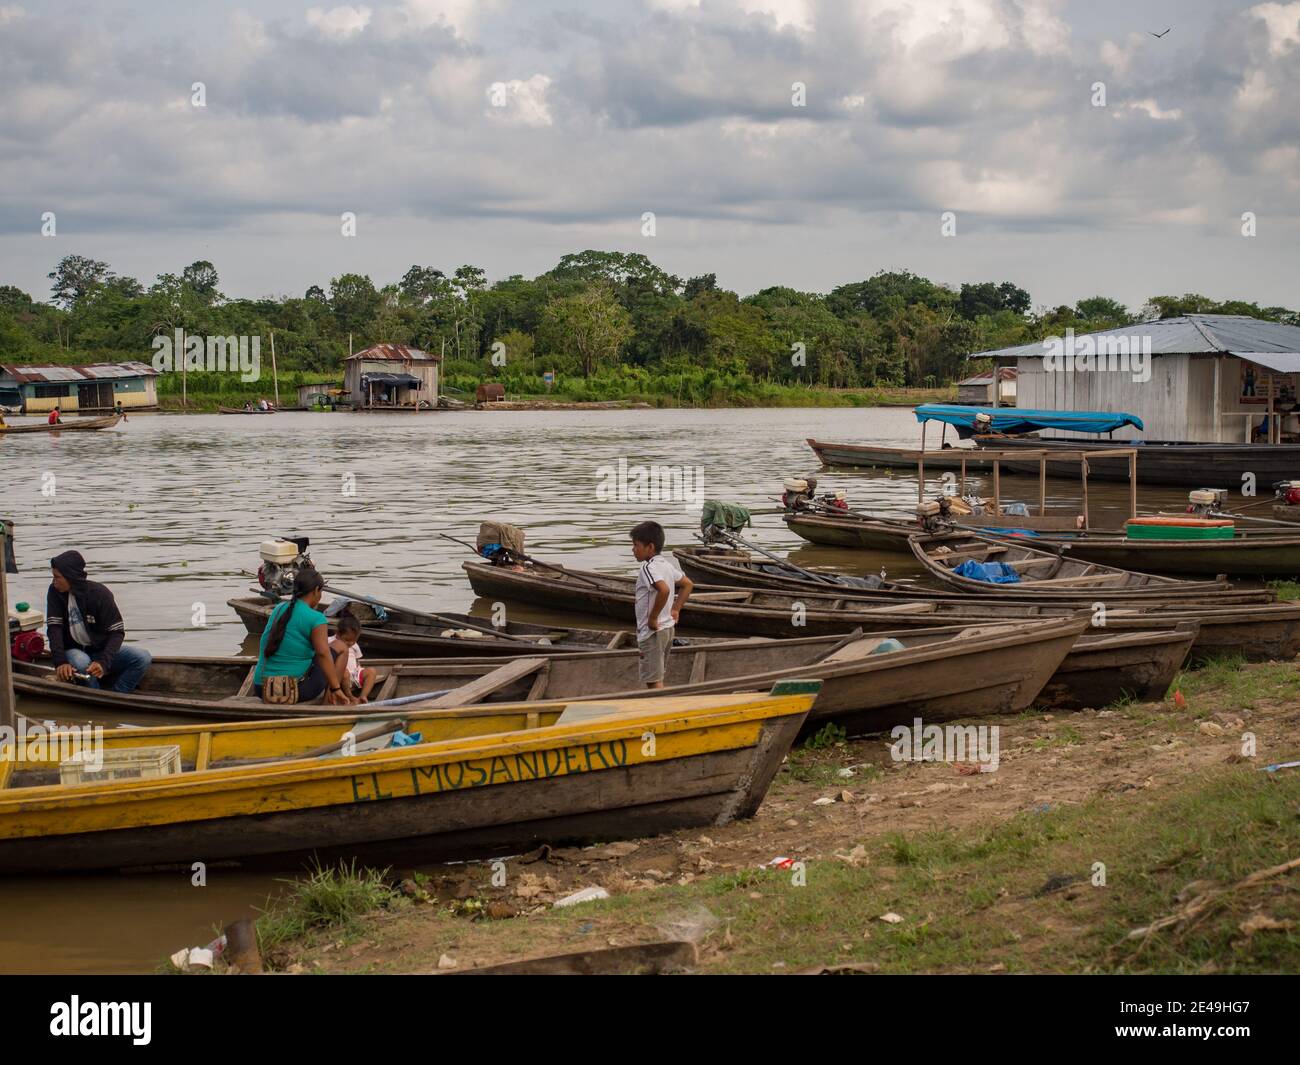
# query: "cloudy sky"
505,133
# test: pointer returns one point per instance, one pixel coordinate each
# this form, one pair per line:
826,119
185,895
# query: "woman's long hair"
307,581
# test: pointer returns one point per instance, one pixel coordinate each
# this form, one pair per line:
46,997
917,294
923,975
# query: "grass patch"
328,898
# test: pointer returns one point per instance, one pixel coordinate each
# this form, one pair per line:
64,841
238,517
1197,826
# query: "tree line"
597,315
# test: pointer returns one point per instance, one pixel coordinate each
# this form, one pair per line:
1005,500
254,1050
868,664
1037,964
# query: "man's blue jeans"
125,671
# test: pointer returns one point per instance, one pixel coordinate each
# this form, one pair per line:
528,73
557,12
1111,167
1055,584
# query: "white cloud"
339,23
1283,21
522,102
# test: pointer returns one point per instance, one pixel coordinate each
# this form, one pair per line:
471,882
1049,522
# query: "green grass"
1285,589
328,898
1237,684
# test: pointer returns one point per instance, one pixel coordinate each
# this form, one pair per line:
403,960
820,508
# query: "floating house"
1216,378
978,390
97,388
317,393
392,377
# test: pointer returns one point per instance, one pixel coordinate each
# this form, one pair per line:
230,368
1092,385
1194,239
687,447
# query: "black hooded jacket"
98,609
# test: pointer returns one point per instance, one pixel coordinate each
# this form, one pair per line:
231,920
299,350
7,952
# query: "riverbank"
763,396
1095,826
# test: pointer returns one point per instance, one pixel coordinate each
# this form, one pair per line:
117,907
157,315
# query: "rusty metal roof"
394,353
66,374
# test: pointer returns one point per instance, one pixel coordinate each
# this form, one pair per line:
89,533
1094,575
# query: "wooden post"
997,487
963,475
185,393
1042,486
8,708
1083,466
1218,399
1133,484
275,377
1270,409
920,469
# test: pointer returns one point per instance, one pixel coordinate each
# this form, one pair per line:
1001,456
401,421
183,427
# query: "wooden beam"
8,704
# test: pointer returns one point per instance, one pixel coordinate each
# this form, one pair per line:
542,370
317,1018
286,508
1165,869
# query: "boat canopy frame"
1015,421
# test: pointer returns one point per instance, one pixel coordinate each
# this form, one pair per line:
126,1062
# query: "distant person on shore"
346,649
85,630
294,662
657,613
54,418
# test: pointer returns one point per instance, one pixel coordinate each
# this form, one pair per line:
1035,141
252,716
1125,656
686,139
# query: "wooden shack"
394,377
490,392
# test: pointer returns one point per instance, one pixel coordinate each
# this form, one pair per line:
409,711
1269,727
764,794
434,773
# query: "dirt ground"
828,803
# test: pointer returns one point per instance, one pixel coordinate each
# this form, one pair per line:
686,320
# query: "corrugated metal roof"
394,353
66,374
1191,334
1277,361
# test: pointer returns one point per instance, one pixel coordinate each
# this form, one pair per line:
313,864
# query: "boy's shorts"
653,655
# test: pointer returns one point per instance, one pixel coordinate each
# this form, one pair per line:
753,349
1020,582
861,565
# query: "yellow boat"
482,781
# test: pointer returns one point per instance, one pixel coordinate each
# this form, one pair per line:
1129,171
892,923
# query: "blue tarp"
1017,420
989,572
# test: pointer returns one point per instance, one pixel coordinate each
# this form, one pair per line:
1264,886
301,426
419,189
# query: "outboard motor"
1206,502
282,560
1287,493
798,494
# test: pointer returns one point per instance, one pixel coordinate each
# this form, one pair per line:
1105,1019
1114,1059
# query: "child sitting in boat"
656,611
347,657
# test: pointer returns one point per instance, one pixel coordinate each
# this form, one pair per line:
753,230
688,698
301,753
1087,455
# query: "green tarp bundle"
726,515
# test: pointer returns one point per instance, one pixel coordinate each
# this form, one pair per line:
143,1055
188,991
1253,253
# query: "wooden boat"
1046,571
240,410
877,456
1258,632
405,635
871,534
741,569
937,674
482,781
75,425
1262,553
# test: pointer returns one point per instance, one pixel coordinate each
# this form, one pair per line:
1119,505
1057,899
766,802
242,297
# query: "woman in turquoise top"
296,644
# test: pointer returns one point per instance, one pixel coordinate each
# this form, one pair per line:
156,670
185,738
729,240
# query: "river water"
169,512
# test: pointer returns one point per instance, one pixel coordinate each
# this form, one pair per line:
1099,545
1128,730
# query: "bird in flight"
1158,35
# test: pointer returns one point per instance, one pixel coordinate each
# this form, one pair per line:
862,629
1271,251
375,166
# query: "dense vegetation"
608,324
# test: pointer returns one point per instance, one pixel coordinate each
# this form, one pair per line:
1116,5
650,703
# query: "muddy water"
169,512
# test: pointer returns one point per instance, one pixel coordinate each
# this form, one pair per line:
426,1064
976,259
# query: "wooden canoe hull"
871,456
76,425
238,410
1106,668
875,535
939,673
1259,632
586,782
1050,573
716,566
1245,556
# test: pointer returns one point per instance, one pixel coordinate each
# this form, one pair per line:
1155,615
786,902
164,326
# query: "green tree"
589,324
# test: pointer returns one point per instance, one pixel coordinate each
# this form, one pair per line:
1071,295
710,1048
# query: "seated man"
85,629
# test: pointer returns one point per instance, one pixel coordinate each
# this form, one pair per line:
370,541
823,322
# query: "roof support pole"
1218,399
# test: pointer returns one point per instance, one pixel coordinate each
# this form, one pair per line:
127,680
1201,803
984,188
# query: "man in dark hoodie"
86,630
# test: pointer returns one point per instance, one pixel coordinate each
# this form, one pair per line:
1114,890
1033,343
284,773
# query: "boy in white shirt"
656,612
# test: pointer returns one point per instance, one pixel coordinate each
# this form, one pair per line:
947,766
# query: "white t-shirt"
658,568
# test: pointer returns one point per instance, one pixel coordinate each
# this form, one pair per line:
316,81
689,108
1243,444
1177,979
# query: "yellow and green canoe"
482,781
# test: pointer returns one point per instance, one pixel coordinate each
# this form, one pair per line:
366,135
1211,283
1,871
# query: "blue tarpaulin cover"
1018,420
990,572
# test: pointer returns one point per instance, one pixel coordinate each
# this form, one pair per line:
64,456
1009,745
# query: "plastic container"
122,763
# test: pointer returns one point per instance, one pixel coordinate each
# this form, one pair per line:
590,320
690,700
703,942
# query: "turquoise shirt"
296,653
